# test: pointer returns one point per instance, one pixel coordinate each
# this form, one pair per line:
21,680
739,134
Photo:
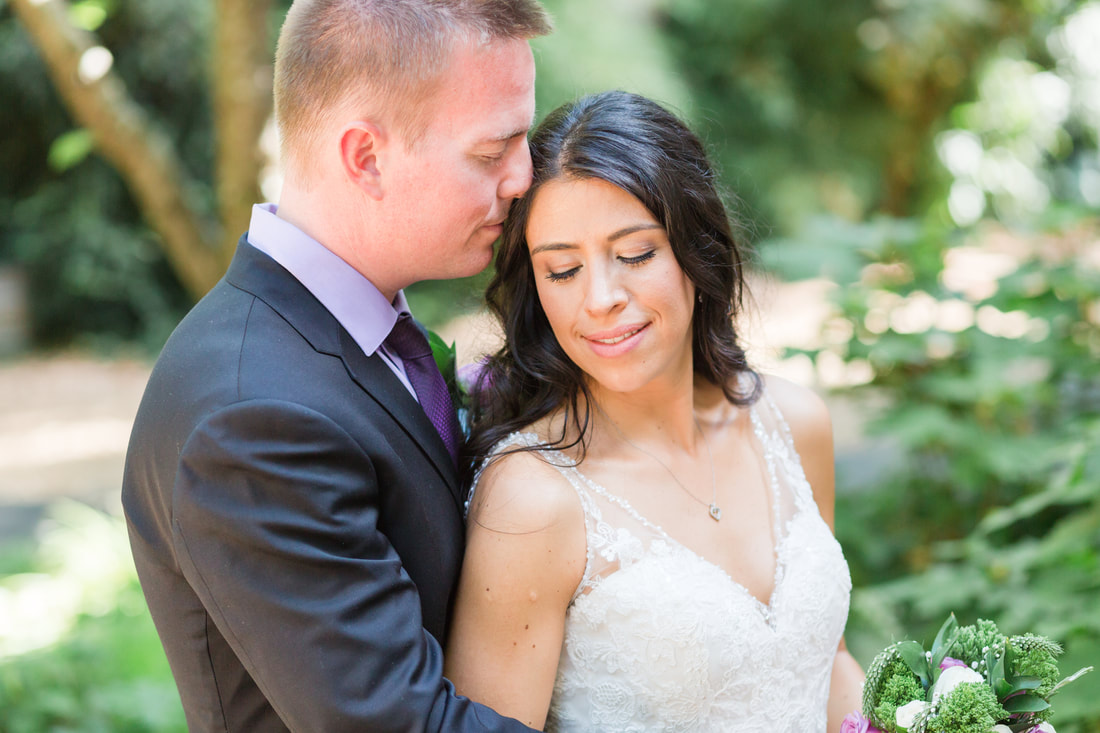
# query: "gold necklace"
713,509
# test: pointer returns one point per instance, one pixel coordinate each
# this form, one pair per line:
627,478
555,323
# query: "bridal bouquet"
974,679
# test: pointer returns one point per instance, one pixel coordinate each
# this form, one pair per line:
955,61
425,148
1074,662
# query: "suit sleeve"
275,524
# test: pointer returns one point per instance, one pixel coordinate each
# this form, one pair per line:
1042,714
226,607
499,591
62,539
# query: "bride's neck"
667,418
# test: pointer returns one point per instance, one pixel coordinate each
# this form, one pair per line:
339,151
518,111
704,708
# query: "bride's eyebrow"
551,247
618,234
631,229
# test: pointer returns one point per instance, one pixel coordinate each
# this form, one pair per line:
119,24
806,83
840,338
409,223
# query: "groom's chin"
480,258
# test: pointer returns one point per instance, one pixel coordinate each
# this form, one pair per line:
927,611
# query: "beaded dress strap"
786,452
567,468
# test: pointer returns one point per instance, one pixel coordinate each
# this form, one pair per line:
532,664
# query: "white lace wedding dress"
659,639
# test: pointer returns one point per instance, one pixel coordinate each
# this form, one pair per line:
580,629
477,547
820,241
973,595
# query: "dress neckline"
780,531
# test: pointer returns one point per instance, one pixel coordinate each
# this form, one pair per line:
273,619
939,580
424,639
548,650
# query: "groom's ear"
362,143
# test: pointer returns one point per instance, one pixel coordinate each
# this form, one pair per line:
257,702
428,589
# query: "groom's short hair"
381,56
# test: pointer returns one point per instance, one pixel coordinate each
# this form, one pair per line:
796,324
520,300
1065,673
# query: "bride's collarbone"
742,543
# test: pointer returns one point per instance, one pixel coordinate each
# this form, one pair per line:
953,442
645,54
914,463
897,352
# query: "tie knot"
407,340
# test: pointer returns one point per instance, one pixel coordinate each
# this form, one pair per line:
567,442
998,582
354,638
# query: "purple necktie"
409,343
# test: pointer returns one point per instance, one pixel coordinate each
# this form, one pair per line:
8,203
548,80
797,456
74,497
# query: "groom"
293,510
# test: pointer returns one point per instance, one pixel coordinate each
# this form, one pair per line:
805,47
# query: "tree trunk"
197,248
241,75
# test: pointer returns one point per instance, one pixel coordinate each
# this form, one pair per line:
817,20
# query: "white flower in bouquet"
951,678
907,714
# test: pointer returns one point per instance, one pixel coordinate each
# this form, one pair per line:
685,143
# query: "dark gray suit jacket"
295,520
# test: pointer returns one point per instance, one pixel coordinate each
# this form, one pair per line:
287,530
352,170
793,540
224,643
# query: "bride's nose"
605,291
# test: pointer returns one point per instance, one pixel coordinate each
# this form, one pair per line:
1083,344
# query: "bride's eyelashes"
634,261
639,259
557,277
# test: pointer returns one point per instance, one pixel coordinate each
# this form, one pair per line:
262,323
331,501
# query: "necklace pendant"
715,512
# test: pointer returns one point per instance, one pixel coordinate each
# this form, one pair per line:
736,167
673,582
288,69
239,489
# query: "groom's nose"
517,172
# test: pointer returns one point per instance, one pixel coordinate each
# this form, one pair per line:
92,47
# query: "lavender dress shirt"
351,298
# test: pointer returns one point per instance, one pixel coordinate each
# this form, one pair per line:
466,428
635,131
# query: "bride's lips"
616,341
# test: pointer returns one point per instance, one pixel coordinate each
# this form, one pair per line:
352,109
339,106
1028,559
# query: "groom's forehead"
487,94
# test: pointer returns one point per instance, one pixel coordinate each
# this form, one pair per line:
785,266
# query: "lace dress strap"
775,436
568,469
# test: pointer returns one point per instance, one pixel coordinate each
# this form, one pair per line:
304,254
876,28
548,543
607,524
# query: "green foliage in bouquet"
890,684
970,707
972,678
971,640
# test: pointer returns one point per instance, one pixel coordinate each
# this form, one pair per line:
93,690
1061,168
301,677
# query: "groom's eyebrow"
518,132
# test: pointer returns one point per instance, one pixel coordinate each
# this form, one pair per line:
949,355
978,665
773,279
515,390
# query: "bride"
649,532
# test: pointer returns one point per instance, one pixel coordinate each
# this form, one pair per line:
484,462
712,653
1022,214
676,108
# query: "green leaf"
912,653
1071,678
1025,704
1008,687
1026,682
995,667
444,355
945,639
70,149
88,14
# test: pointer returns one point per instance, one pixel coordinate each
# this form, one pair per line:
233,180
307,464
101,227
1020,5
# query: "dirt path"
64,423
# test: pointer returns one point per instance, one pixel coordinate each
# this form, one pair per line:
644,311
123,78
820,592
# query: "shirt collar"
350,297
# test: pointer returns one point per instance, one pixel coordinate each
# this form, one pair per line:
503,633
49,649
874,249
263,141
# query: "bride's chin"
611,384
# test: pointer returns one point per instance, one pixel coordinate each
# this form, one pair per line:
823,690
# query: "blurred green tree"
975,327
123,131
136,158
834,107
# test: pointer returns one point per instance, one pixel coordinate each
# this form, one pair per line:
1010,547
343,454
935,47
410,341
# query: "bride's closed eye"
632,261
557,277
639,259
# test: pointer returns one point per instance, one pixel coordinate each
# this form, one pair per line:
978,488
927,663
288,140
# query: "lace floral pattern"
658,638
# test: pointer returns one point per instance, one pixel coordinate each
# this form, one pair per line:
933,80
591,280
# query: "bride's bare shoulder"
526,531
803,409
523,489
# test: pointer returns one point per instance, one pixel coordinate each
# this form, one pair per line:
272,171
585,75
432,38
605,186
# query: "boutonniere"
459,380
446,360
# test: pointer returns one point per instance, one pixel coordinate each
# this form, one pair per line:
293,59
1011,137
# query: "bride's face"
610,285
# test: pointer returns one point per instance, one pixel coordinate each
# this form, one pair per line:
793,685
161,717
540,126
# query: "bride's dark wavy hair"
637,145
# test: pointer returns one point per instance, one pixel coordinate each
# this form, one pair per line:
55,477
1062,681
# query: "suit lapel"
256,273
378,380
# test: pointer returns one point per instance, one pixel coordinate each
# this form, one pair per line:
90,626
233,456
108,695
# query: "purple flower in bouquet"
951,662
856,723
